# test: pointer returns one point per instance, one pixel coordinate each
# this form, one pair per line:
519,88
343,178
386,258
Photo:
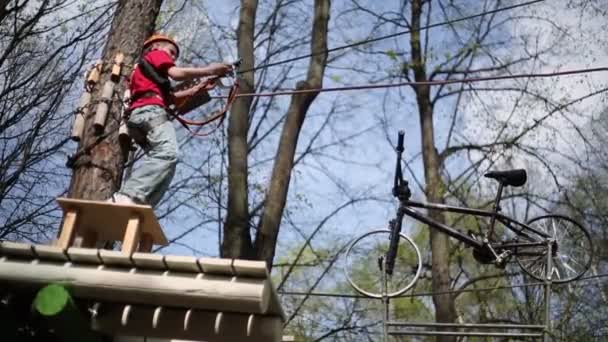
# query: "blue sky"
319,183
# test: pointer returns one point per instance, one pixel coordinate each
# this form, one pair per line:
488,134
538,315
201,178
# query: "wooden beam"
132,234
68,229
209,292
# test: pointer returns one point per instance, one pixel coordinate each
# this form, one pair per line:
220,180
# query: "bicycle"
570,244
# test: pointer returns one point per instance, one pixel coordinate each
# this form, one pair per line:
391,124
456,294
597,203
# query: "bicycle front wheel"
364,264
571,255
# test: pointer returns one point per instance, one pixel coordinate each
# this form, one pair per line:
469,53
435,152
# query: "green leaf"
392,54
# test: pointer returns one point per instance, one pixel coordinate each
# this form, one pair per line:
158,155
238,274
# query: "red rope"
219,115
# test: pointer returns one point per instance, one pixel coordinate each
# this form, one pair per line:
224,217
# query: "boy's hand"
220,69
203,86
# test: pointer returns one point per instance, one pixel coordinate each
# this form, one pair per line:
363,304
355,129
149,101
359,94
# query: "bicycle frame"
406,208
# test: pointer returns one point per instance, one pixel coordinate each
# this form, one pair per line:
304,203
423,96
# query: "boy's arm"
198,88
186,73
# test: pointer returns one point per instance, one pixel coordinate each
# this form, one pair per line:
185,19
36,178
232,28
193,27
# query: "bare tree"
479,124
237,241
43,55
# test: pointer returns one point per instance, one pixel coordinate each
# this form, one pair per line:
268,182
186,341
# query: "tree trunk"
237,241
266,237
444,304
98,171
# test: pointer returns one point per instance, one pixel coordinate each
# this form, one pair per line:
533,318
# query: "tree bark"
445,310
266,237
237,241
98,171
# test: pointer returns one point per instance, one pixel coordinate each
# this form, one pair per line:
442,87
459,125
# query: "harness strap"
161,80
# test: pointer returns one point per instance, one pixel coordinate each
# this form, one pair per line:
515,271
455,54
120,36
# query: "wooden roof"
161,296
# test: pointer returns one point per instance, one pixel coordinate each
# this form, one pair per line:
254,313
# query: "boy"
149,119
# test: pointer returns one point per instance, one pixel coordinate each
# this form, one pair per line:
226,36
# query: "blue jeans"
154,133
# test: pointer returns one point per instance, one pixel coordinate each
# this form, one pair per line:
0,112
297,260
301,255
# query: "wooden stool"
134,225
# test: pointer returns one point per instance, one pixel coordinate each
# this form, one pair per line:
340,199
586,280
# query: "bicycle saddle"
516,177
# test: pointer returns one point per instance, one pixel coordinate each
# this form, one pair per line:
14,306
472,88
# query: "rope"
219,115
430,83
428,294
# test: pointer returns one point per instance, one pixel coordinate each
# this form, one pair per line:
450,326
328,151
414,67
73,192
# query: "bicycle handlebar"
400,136
399,182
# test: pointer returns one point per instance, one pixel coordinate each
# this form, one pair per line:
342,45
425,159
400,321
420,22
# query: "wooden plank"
84,255
115,258
249,295
132,234
51,253
250,268
216,266
68,230
149,261
182,264
17,249
110,220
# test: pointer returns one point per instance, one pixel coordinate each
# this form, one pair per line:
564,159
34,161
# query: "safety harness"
177,109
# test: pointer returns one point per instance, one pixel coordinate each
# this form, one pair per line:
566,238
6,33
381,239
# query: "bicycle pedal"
502,260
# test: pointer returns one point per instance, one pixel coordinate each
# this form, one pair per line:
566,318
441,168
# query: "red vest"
161,61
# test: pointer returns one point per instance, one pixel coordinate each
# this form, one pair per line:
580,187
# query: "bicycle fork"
391,254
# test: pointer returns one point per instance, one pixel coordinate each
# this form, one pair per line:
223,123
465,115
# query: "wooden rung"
94,74
117,66
132,234
68,230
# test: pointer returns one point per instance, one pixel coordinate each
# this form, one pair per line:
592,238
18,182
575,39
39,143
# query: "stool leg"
67,230
145,245
131,239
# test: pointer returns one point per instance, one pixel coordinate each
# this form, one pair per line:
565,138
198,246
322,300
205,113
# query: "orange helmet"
158,37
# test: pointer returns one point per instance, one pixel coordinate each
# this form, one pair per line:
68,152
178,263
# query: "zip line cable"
427,294
372,40
414,83
84,150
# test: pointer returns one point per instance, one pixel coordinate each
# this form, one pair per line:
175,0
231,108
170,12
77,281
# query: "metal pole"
548,281
385,301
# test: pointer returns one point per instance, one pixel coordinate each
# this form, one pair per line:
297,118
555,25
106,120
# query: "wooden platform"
104,221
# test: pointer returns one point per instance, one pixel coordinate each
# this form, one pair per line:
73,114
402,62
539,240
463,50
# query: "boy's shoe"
120,199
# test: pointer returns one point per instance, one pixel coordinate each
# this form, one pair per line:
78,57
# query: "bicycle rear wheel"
363,266
572,254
